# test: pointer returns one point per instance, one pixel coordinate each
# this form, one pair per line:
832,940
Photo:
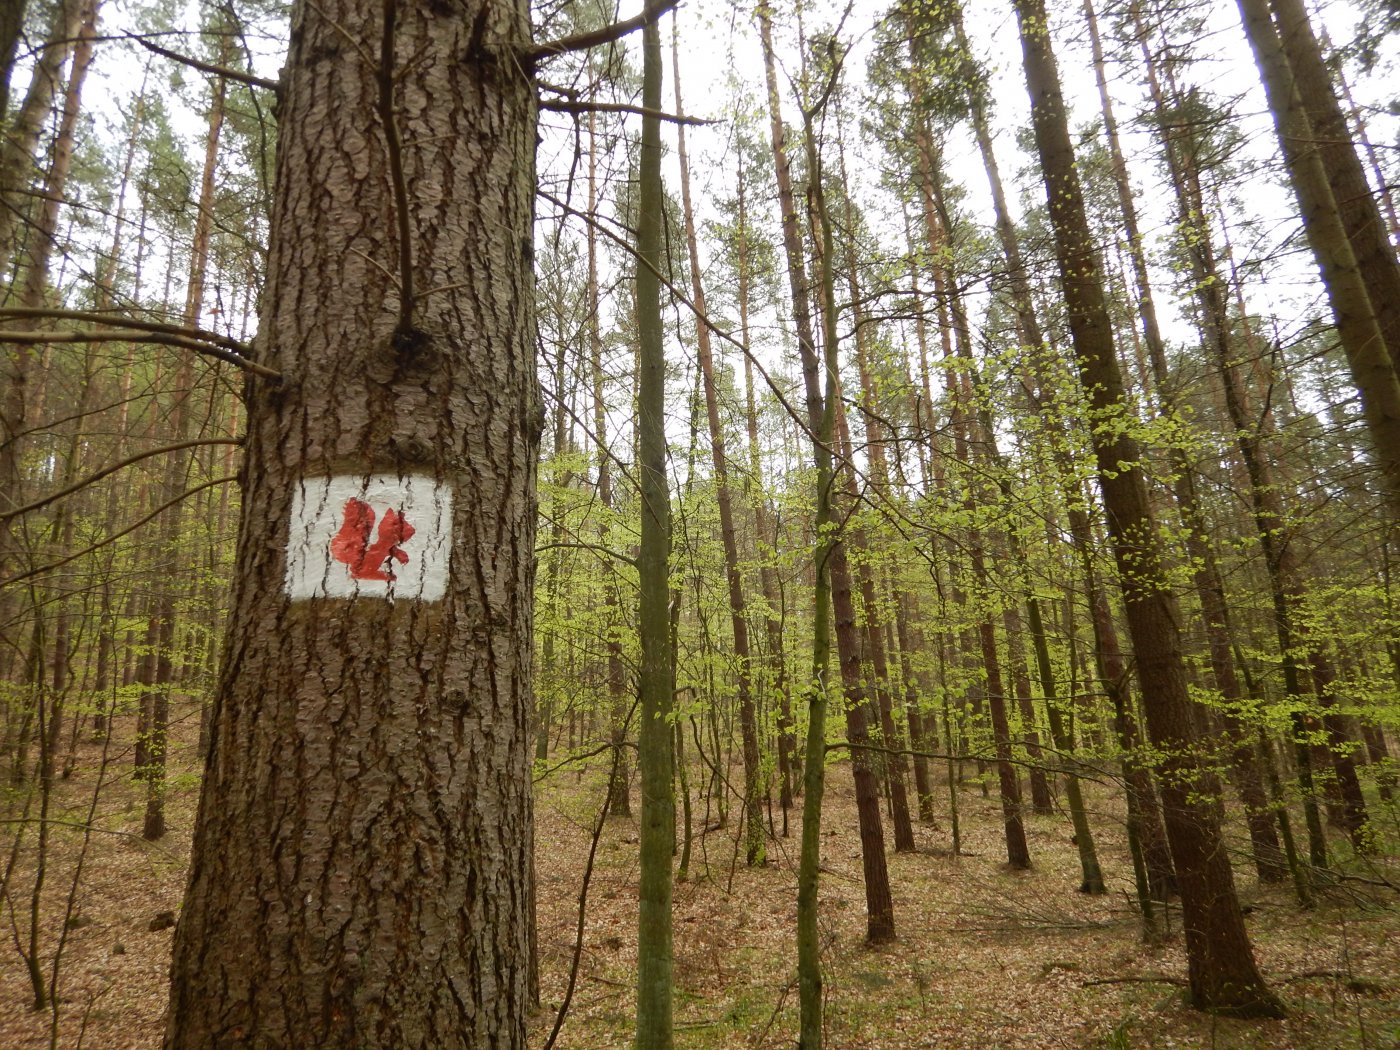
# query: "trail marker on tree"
376,535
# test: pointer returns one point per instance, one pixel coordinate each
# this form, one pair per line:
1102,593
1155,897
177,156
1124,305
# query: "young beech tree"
361,861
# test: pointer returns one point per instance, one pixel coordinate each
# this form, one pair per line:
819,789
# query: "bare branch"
92,479
653,10
572,106
598,548
208,67
123,321
115,336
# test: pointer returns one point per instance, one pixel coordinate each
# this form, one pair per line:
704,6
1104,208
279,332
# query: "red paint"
370,561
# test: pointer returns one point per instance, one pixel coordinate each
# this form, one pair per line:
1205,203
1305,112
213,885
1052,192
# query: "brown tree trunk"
1372,368
879,902
160,667
1356,202
1209,588
1222,972
766,539
619,795
361,863
738,616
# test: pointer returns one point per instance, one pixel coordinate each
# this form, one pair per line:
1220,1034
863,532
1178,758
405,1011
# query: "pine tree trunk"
1222,972
1356,202
821,418
1206,575
1372,368
360,875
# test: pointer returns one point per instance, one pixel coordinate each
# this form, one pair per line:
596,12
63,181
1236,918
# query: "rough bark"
655,759
361,864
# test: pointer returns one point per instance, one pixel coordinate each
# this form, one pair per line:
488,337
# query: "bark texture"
361,860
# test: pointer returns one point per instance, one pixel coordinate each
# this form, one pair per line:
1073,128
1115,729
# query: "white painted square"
379,535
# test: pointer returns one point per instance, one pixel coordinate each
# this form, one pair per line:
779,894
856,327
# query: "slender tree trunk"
821,418
1209,588
658,819
160,666
11,26
743,657
620,801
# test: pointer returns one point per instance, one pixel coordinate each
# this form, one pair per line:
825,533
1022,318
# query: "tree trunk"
1222,973
654,761
821,418
738,616
1372,367
361,862
1356,202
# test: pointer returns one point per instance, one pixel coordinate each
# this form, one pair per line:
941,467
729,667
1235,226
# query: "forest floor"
986,957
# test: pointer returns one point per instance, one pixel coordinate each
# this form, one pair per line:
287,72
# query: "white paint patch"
381,536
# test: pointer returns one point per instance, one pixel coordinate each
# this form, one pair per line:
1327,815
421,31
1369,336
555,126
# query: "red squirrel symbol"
351,544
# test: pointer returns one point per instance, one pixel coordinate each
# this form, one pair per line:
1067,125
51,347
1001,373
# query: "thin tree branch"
396,176
120,321
597,547
209,67
573,106
653,10
110,336
39,570
105,471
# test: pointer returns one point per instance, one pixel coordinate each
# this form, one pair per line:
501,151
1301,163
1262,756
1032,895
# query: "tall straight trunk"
161,629
1042,804
821,419
1357,207
865,637
619,795
766,537
18,149
914,691
11,26
1373,369
895,763
361,862
879,903
658,818
1287,588
959,389
821,415
738,616
1206,575
34,289
22,135
1222,973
